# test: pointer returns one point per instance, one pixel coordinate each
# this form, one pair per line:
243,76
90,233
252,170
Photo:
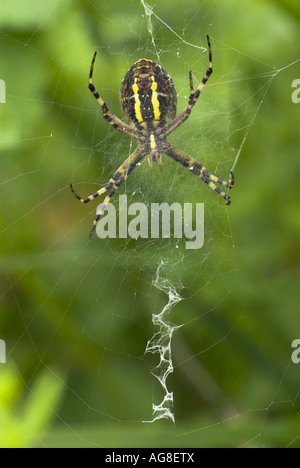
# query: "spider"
148,100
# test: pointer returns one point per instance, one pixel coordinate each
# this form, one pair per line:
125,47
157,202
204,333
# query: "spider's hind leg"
219,181
215,188
91,197
114,183
196,168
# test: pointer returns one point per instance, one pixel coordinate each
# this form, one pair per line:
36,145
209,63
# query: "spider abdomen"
148,95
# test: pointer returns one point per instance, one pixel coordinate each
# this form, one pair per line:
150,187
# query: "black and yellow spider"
148,100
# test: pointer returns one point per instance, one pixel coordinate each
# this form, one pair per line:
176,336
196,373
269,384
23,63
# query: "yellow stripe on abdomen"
137,102
155,101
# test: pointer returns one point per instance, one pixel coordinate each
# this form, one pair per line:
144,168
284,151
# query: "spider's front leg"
117,123
114,183
194,96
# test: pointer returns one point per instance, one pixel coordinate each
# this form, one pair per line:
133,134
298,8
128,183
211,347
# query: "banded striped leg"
114,183
111,118
194,96
196,168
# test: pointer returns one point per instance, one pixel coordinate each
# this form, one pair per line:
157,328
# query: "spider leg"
111,118
194,96
191,83
198,169
114,183
91,197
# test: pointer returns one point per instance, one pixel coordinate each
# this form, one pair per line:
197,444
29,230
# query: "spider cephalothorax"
148,100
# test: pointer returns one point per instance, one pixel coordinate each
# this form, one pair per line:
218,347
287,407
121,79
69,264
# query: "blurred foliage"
23,423
82,310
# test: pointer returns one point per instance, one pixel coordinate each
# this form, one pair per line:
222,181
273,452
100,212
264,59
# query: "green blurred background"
76,315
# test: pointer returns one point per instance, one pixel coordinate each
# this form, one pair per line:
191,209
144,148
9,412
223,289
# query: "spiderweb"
103,337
